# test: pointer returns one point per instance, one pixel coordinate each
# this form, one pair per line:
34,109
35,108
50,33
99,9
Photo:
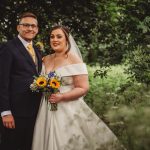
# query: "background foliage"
123,104
114,38
106,30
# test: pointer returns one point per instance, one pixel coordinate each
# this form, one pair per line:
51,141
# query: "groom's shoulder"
10,44
12,41
2,45
7,46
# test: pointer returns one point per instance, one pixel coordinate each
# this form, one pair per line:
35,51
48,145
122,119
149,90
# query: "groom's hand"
8,121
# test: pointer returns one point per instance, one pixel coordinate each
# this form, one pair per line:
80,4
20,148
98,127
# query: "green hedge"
123,105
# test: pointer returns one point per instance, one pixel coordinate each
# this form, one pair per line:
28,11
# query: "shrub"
139,64
123,105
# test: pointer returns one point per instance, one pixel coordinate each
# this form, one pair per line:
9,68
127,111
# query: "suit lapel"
25,53
39,58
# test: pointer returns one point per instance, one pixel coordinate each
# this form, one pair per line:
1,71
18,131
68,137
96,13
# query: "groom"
19,62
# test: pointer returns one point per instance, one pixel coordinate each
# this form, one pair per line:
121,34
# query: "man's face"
28,28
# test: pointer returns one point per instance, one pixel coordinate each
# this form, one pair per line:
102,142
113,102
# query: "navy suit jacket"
16,74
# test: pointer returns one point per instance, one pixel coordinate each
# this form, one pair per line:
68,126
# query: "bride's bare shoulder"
74,59
47,58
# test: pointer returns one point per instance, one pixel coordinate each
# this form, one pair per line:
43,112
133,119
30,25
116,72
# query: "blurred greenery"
114,39
123,104
105,30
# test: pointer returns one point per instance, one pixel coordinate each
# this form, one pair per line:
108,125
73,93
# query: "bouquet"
48,84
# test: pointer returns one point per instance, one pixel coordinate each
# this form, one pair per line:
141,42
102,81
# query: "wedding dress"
74,126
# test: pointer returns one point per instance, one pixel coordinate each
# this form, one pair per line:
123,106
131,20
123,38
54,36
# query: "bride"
73,126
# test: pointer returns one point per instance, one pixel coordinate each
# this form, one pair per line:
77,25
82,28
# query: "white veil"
74,48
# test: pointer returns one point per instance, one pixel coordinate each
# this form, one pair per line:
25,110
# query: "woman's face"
58,40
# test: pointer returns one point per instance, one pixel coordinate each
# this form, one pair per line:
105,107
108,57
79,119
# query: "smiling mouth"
55,44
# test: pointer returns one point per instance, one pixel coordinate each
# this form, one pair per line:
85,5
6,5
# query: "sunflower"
41,82
54,83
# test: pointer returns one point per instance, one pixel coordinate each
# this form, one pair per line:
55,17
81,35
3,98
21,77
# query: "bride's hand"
55,98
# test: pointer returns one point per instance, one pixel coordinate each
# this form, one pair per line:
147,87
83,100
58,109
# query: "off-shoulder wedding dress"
74,126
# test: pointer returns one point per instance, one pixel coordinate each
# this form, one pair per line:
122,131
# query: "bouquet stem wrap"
51,106
48,84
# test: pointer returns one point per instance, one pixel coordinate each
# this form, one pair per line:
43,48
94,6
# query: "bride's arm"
81,86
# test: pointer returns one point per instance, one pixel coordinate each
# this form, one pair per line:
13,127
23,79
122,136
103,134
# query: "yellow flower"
40,45
41,82
54,83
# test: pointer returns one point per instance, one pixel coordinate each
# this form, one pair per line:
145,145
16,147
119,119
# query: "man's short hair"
27,14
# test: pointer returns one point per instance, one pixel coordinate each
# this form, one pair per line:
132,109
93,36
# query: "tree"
104,30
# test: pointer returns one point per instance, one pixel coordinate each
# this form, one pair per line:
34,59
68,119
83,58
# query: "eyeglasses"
27,25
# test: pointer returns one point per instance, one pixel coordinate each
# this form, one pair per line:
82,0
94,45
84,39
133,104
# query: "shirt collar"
24,42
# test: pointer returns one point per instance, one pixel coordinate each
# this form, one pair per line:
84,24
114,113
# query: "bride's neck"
57,54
